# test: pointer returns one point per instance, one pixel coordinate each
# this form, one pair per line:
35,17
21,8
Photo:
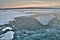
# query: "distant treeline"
28,8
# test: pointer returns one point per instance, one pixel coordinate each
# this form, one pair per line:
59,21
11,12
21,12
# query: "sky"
29,3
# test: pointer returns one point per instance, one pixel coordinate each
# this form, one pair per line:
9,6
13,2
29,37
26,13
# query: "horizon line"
31,8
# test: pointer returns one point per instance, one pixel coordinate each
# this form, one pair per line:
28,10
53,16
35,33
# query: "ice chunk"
44,20
7,36
7,28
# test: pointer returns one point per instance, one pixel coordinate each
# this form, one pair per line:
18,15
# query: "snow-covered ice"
7,36
7,28
10,15
44,20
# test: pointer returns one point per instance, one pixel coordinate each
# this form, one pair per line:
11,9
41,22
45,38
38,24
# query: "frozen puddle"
44,20
10,15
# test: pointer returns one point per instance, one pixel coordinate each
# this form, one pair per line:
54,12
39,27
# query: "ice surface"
10,15
44,20
7,36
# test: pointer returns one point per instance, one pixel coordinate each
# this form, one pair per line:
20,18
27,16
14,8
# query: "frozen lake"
9,15
50,32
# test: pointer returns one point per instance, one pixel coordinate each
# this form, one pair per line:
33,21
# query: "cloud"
7,3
